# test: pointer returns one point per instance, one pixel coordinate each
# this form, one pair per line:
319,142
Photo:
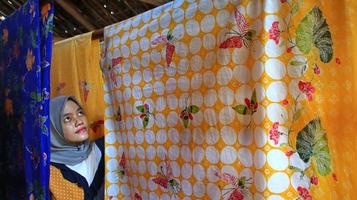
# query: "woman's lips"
81,130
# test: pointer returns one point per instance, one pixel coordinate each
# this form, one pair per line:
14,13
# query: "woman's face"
74,123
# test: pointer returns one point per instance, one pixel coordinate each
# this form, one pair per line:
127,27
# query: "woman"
77,164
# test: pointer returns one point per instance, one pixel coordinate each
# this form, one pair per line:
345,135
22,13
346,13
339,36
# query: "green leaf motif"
44,130
145,121
43,119
296,7
313,30
241,109
185,122
36,96
33,39
298,114
296,63
284,145
254,97
312,143
295,168
194,109
140,108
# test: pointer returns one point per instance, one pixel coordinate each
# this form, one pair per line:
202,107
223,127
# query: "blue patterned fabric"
25,55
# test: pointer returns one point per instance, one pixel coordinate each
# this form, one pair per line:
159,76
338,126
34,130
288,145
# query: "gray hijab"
62,151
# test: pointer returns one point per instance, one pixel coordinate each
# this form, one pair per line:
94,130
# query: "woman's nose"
78,121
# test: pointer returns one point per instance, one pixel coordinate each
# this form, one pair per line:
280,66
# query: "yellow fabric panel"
216,79
75,71
61,189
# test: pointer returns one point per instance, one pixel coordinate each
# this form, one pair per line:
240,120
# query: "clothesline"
98,34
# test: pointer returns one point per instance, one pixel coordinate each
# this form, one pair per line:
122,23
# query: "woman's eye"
80,113
67,119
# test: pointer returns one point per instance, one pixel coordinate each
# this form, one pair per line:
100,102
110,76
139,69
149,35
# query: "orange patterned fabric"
62,189
75,71
232,99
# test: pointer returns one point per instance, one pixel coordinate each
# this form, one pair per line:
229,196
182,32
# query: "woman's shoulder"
100,143
61,188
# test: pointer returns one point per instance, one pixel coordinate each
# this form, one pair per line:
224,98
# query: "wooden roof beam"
70,8
130,7
153,2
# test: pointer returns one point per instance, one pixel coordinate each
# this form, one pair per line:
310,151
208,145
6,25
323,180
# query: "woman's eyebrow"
67,114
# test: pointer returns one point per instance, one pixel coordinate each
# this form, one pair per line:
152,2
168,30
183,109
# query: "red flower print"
314,180
304,193
274,32
316,69
289,153
307,89
289,49
285,102
283,1
338,61
334,176
274,134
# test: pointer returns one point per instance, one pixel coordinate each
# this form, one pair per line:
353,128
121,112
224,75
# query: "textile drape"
25,55
218,99
76,71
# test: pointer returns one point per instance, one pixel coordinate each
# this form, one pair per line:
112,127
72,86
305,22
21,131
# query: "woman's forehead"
70,105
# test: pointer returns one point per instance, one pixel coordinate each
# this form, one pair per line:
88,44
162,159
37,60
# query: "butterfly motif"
243,36
60,86
168,40
166,180
95,125
239,185
250,107
116,61
35,157
118,115
186,114
145,114
111,69
122,170
137,196
85,87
